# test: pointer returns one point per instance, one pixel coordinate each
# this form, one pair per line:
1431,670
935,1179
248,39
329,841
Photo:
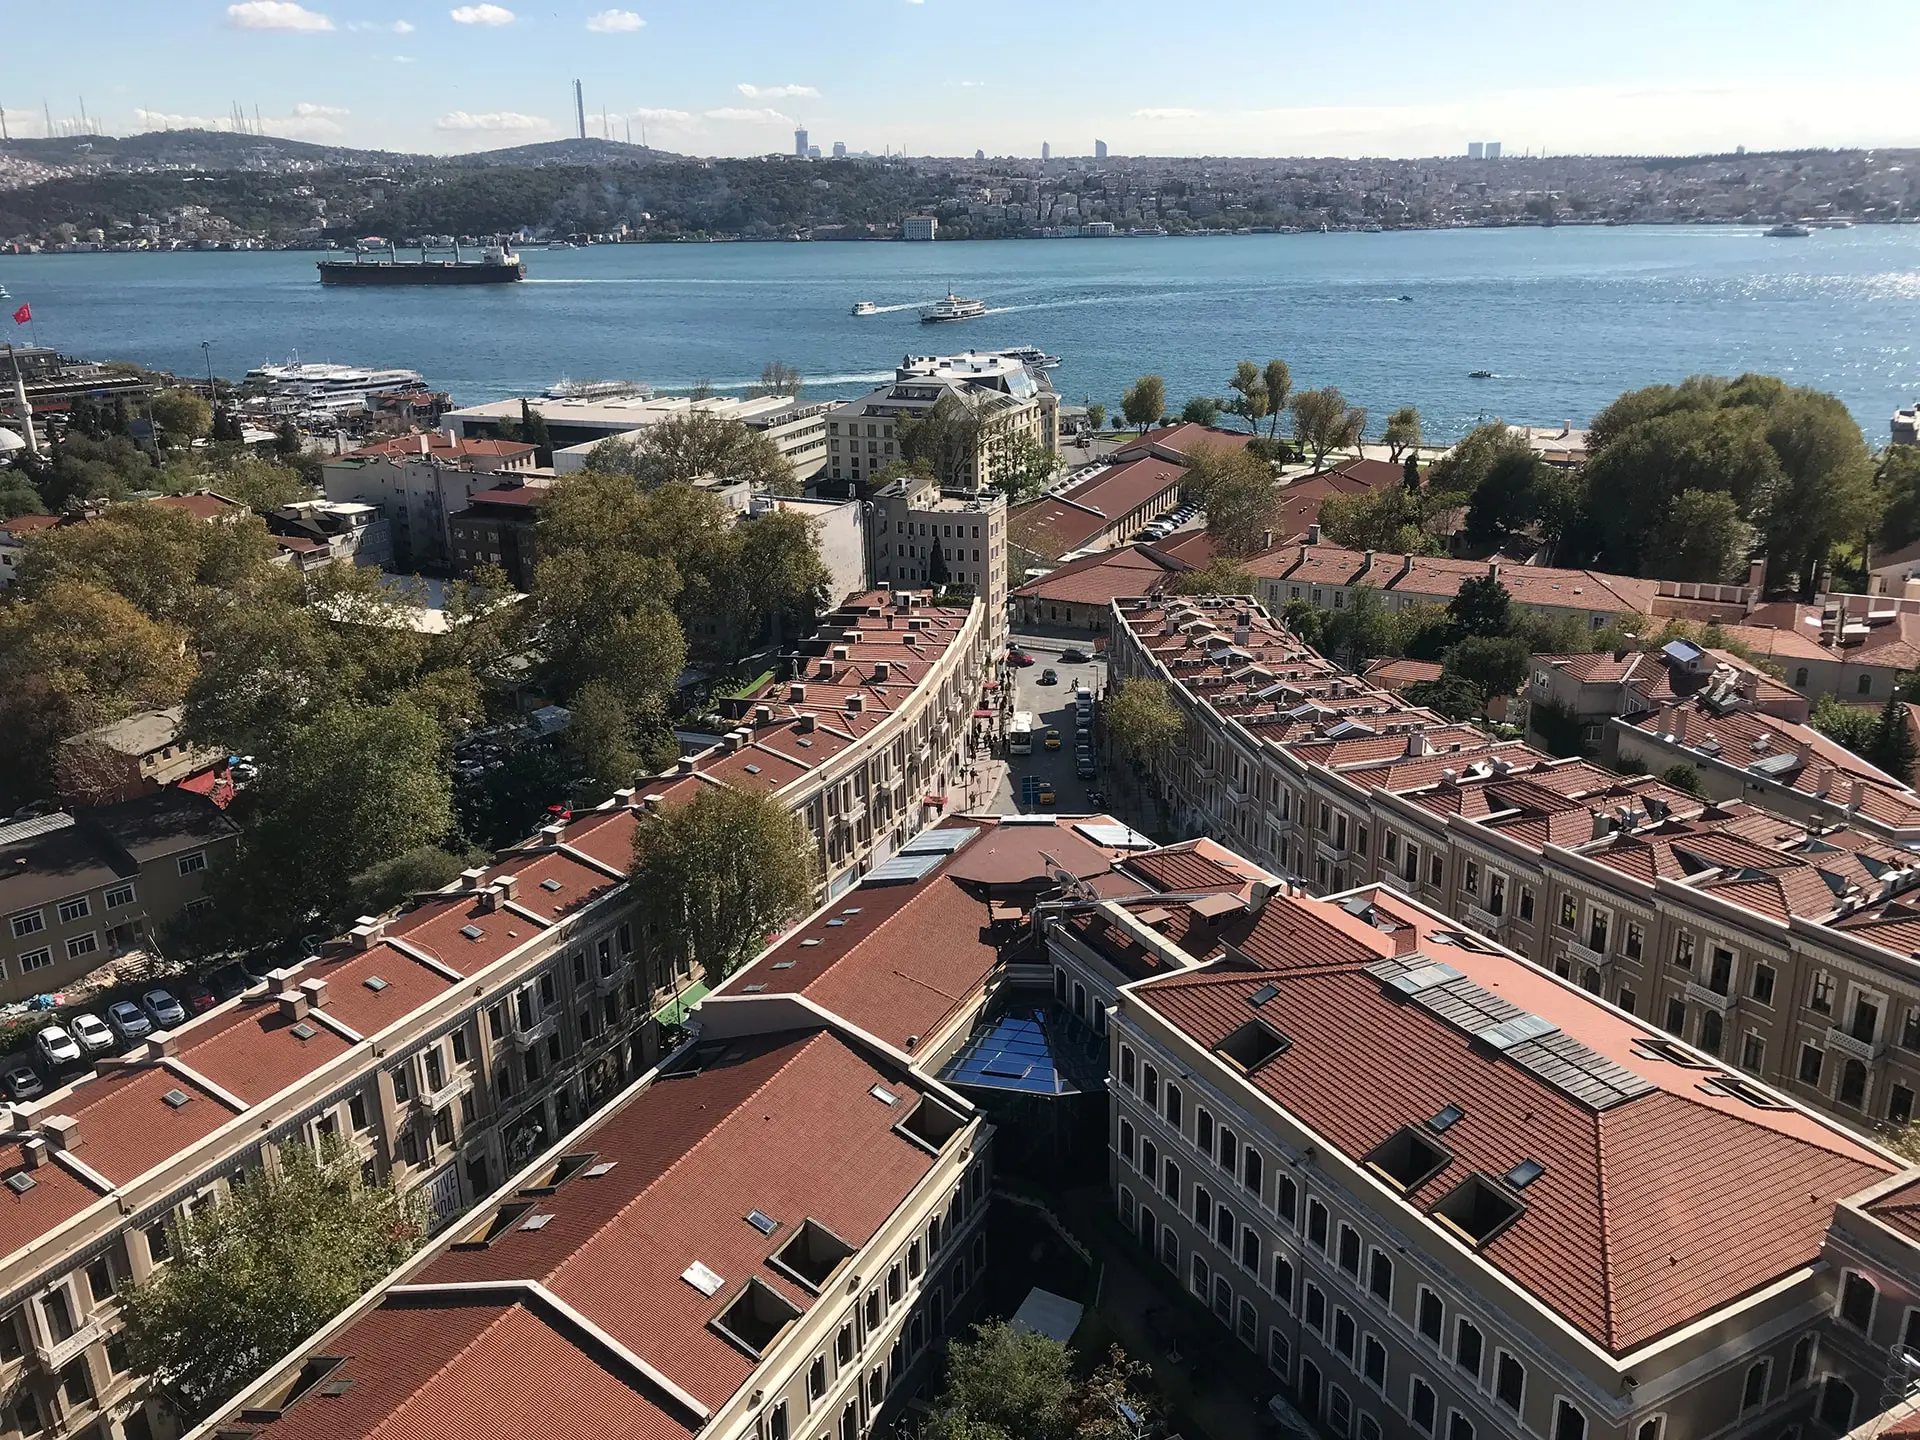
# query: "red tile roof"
442,447
252,1052
1101,579
201,506
127,1128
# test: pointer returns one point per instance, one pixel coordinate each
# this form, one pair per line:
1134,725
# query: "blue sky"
732,77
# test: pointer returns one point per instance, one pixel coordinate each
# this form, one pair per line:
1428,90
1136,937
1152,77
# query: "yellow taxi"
1053,739
1045,794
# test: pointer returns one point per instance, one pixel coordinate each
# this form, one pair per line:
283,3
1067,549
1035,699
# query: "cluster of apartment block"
1768,921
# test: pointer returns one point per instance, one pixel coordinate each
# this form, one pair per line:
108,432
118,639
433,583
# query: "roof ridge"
1605,1227
385,1427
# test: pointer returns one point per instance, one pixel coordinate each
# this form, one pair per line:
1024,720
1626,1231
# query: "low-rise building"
419,482
129,757
320,531
1078,595
15,535
1105,509
1004,401
920,227
498,528
840,530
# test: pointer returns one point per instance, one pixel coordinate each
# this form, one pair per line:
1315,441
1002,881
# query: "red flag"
23,315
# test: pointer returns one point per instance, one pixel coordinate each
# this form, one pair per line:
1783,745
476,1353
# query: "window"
1436,870
1203,1130
1173,1097
1126,1141
119,895
1802,1363
1625,1000
1126,1067
1569,912
1344,1334
1509,1381
1317,1225
1170,1184
1286,1199
1810,1058
1251,1167
1430,1315
1677,1017
1200,1277
100,1279
1283,1280
1636,940
1380,1277
1277,1353
1526,903
1250,1249
1652,1429
1150,1086
1229,1150
1857,1297
816,1380
1821,998
1316,1308
1373,1363
1753,1392
1421,1405
1458,1426
1760,984
1202,1208
1899,1105
1866,685
1568,1423
1836,1404
29,922
1753,1051
82,945
35,959
1467,1344
1683,950
77,908
1350,1250
1853,1084
1339,1407
192,864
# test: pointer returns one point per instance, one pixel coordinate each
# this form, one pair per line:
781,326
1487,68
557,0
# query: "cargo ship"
497,265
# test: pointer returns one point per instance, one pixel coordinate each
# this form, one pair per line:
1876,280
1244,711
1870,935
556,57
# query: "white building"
1008,399
840,527
418,481
919,227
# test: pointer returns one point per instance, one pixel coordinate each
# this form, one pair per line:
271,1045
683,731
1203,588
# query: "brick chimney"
316,992
34,1152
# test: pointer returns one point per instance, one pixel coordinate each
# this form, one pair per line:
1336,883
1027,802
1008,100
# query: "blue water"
1565,318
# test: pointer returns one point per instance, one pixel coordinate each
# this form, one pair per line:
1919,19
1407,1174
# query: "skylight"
1445,1118
1251,1046
20,1182
176,1098
1263,995
374,983
472,932
884,1095
763,1222
302,1031
550,884
1525,1173
702,1279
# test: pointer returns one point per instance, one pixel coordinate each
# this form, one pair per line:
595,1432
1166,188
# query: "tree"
1506,499
1223,576
1891,747
1323,422
1250,401
165,561
1461,469
182,415
600,737
719,874
1402,433
1142,719
1145,401
1848,725
1023,467
1481,606
1017,1382
261,483
1684,777
287,442
532,430
692,446
1825,494
1451,696
1700,537
779,378
944,440
1492,665
1305,621
1898,479
1096,416
249,1279
1278,380
1237,491
1558,728
1201,410
18,496
1410,475
1361,630
1387,519
388,883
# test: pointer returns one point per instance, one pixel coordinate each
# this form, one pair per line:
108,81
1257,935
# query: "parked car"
1083,765
1049,677
94,1037
229,981
1053,740
1044,796
1019,658
128,1021
22,1082
1074,656
165,1011
57,1048
198,997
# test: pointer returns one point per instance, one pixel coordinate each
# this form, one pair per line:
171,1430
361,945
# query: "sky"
1390,78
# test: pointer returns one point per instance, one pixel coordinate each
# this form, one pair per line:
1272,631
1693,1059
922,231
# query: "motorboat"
954,307
1033,357
1479,375
865,307
1789,230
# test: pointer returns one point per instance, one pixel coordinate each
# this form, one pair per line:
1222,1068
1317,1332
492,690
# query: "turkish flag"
23,315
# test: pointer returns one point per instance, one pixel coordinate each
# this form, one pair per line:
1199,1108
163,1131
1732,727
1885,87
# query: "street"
1052,708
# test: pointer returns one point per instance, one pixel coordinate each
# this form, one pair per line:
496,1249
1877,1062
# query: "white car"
94,1037
56,1046
129,1021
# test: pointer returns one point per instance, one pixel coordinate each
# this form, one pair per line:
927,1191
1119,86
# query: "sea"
1564,318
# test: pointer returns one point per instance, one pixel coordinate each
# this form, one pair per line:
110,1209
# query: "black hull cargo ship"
497,265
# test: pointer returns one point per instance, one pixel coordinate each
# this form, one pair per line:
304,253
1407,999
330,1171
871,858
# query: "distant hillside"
568,152
215,149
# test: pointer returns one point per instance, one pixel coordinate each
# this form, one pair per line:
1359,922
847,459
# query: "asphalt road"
1052,706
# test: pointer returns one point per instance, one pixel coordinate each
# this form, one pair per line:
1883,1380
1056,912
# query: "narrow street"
1051,706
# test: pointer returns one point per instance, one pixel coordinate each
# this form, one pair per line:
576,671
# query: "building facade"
923,535
419,482
1005,404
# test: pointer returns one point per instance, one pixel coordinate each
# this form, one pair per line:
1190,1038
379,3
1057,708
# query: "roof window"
374,983
756,1317
703,1279
812,1255
1652,1048
493,1226
883,1095
176,1098
930,1125
1251,1046
281,1399
20,1182
550,884
1525,1173
1445,1118
558,1173
1263,995
302,1032
763,1222
1477,1210
473,932
1408,1159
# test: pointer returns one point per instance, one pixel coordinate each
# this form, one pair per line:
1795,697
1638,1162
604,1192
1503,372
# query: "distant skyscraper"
1476,150
800,142
813,152
1099,149
580,108
979,155
1493,149
839,149
1046,151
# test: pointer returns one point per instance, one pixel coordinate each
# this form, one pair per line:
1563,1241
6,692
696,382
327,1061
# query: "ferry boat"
1789,230
598,390
497,265
1033,357
329,388
865,307
954,307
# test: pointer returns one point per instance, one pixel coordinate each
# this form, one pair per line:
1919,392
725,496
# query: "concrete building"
923,535
328,530
840,529
1493,149
419,482
1046,152
1009,402
78,889
1099,149
497,528
920,227
800,146
1077,595
1476,150
1107,508
128,758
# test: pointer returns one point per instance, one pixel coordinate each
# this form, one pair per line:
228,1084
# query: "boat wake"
909,305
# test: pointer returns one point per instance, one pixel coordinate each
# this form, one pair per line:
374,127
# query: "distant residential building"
800,146
1097,229
839,149
15,535
1493,149
321,531
497,528
1476,150
1106,509
1046,152
919,227
129,758
1079,594
957,540
1007,399
1099,149
419,482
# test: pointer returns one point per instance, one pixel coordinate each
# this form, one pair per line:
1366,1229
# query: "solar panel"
1412,981
1579,1071
1115,837
937,842
1521,1028
904,869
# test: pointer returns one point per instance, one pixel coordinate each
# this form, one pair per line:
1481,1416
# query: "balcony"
1845,1042
607,983
54,1355
432,1102
1237,795
1485,921
1711,998
525,1038
1585,954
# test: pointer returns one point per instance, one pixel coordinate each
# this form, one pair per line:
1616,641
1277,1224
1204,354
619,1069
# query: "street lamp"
206,348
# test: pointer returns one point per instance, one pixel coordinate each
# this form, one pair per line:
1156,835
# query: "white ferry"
329,387
954,307
1788,230
598,390
865,307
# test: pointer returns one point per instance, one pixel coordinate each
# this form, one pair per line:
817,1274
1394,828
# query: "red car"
198,997
1020,658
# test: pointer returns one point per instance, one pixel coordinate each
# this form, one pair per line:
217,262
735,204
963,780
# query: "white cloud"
490,120
733,113
403,27
648,116
398,27
971,84
275,15
307,110
778,92
167,120
1170,112
481,15
614,22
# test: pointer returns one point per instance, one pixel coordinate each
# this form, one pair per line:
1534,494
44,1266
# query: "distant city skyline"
1767,74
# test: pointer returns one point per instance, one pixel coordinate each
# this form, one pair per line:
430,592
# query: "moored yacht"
1033,357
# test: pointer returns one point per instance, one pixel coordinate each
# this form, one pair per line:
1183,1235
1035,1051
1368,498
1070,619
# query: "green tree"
1506,500
1361,630
1145,401
1201,410
167,562
721,873
1388,519
1891,747
1402,434
1237,491
1323,422
287,442
1016,1382
1492,665
1461,469
1221,576
1452,696
1898,479
1305,621
1481,606
1825,496
1278,380
1023,468
600,737
1410,475
182,415
18,496
249,1279
1557,727
691,446
1848,725
1250,395
390,882
1096,416
1700,537
1142,719
1684,777
945,440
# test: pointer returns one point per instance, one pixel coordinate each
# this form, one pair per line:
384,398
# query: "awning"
983,713
991,685
935,800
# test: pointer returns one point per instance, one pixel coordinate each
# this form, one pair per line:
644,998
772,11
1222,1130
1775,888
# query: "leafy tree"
1410,476
1222,576
1094,1410
1452,696
532,430
1250,401
779,378
1142,719
721,873
1017,1382
287,442
1891,747
390,882
1898,480
18,496
1022,468
600,737
1557,727
1323,422
787,581
692,445
1461,469
1825,495
1700,537
1145,401
1848,725
249,1279
944,441
182,415
1096,415
1387,519
1493,666
1505,500
262,483
1402,433
1361,630
1237,491
164,560
1684,777
1481,606
1201,410
1278,380
1305,621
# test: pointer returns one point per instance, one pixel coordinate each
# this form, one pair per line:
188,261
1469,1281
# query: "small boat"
1788,230
954,307
1479,375
1033,357
1406,297
865,307
560,245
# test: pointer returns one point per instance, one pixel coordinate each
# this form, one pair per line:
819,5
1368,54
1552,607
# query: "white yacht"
1033,357
327,387
954,307
865,307
598,390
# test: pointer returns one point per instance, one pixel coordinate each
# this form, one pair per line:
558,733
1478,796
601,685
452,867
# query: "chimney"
368,934
881,670
622,796
1493,569
685,765
1406,939
650,802
1749,684
1313,533
856,703
1803,747
826,668
507,887
1669,721
839,652
34,1152
426,444
470,879
1416,743
162,1043
293,1005
554,834
796,692
805,723
1757,574
62,1131
1856,793
763,714
1261,893
316,992
1822,780
731,740
1266,539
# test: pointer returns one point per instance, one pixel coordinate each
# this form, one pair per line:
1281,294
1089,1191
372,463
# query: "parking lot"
1052,708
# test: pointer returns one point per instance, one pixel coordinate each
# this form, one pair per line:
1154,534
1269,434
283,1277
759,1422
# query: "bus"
1020,733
